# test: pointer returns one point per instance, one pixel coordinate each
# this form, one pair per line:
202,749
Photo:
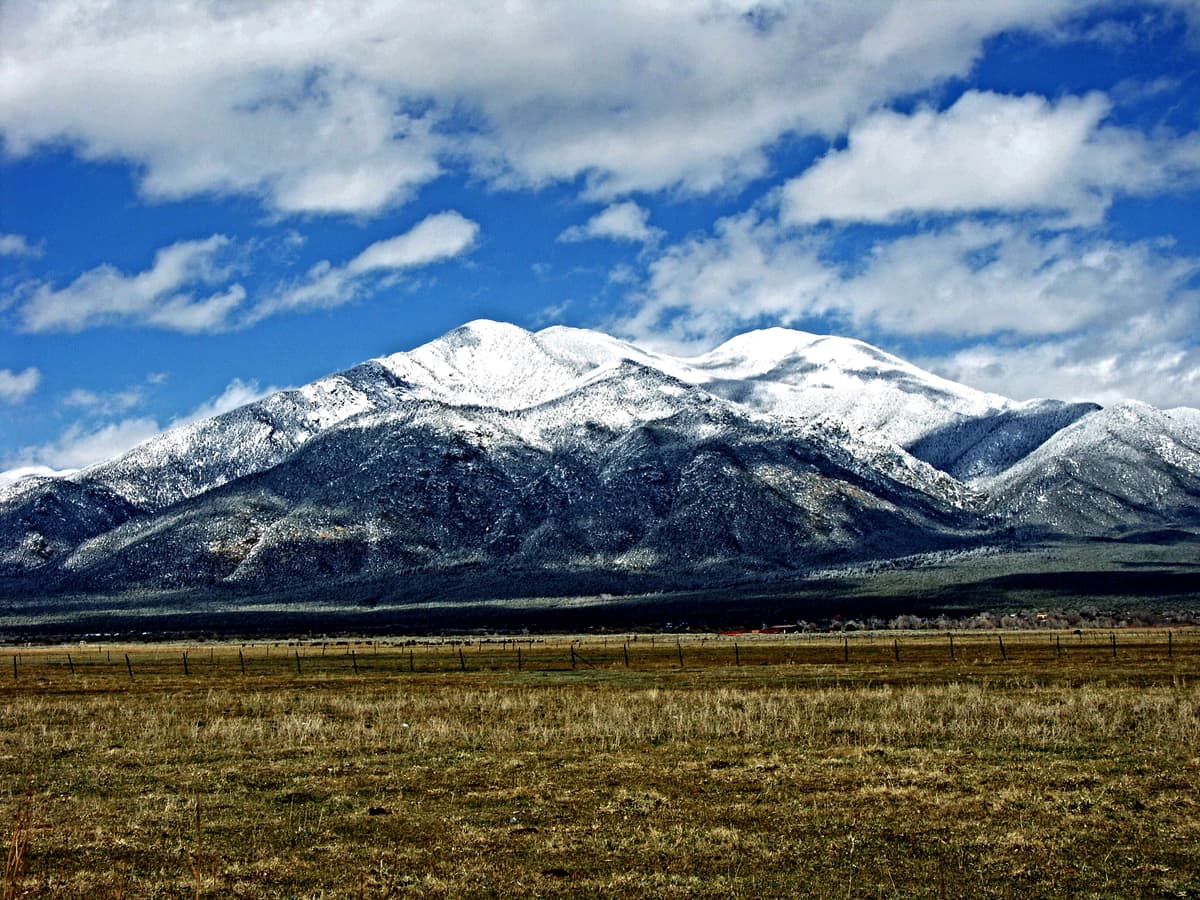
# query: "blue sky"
204,201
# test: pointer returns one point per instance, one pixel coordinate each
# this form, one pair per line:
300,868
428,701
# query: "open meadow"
1030,764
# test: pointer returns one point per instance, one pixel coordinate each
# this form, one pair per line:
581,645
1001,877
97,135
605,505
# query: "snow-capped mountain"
568,451
1125,466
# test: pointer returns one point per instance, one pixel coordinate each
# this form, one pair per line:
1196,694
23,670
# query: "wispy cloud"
18,245
186,289
434,239
625,221
86,442
15,387
190,287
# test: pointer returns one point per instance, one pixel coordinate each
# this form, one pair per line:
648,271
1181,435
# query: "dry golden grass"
452,772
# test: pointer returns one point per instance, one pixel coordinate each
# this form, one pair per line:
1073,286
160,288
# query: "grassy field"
1026,764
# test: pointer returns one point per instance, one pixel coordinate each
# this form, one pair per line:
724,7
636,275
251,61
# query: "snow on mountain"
682,478
1129,465
567,447
775,371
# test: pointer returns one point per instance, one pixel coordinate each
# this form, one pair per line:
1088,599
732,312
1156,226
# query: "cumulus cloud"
989,152
88,442
625,221
319,111
1118,317
176,294
18,245
434,239
15,387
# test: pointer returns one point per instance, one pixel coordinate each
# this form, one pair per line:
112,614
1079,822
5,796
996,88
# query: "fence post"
1114,645
520,662
1003,652
1058,643
297,652
1170,649
462,662
679,650
128,665
354,661
185,665
14,667
242,661
952,646
845,649
71,663
411,667
737,656
896,648
626,654
572,655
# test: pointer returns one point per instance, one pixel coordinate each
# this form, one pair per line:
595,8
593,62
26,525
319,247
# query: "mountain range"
567,461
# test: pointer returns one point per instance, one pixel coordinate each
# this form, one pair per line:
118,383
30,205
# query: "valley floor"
884,765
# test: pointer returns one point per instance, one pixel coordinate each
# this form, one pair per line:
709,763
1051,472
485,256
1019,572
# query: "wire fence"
940,656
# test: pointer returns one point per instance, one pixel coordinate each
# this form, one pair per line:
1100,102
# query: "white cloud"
1116,317
85,443
104,403
187,288
1164,373
435,238
163,296
319,109
15,387
81,445
237,393
18,245
625,221
989,152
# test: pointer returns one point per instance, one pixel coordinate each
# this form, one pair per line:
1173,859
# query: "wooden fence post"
1003,652
71,663
185,665
679,650
128,665
737,656
896,648
242,661
297,652
626,654
952,646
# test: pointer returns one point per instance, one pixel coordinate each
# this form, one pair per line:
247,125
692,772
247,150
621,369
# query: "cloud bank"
315,109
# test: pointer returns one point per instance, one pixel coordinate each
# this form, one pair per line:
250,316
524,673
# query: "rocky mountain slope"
568,451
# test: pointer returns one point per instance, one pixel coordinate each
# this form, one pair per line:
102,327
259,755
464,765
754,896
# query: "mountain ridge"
566,450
